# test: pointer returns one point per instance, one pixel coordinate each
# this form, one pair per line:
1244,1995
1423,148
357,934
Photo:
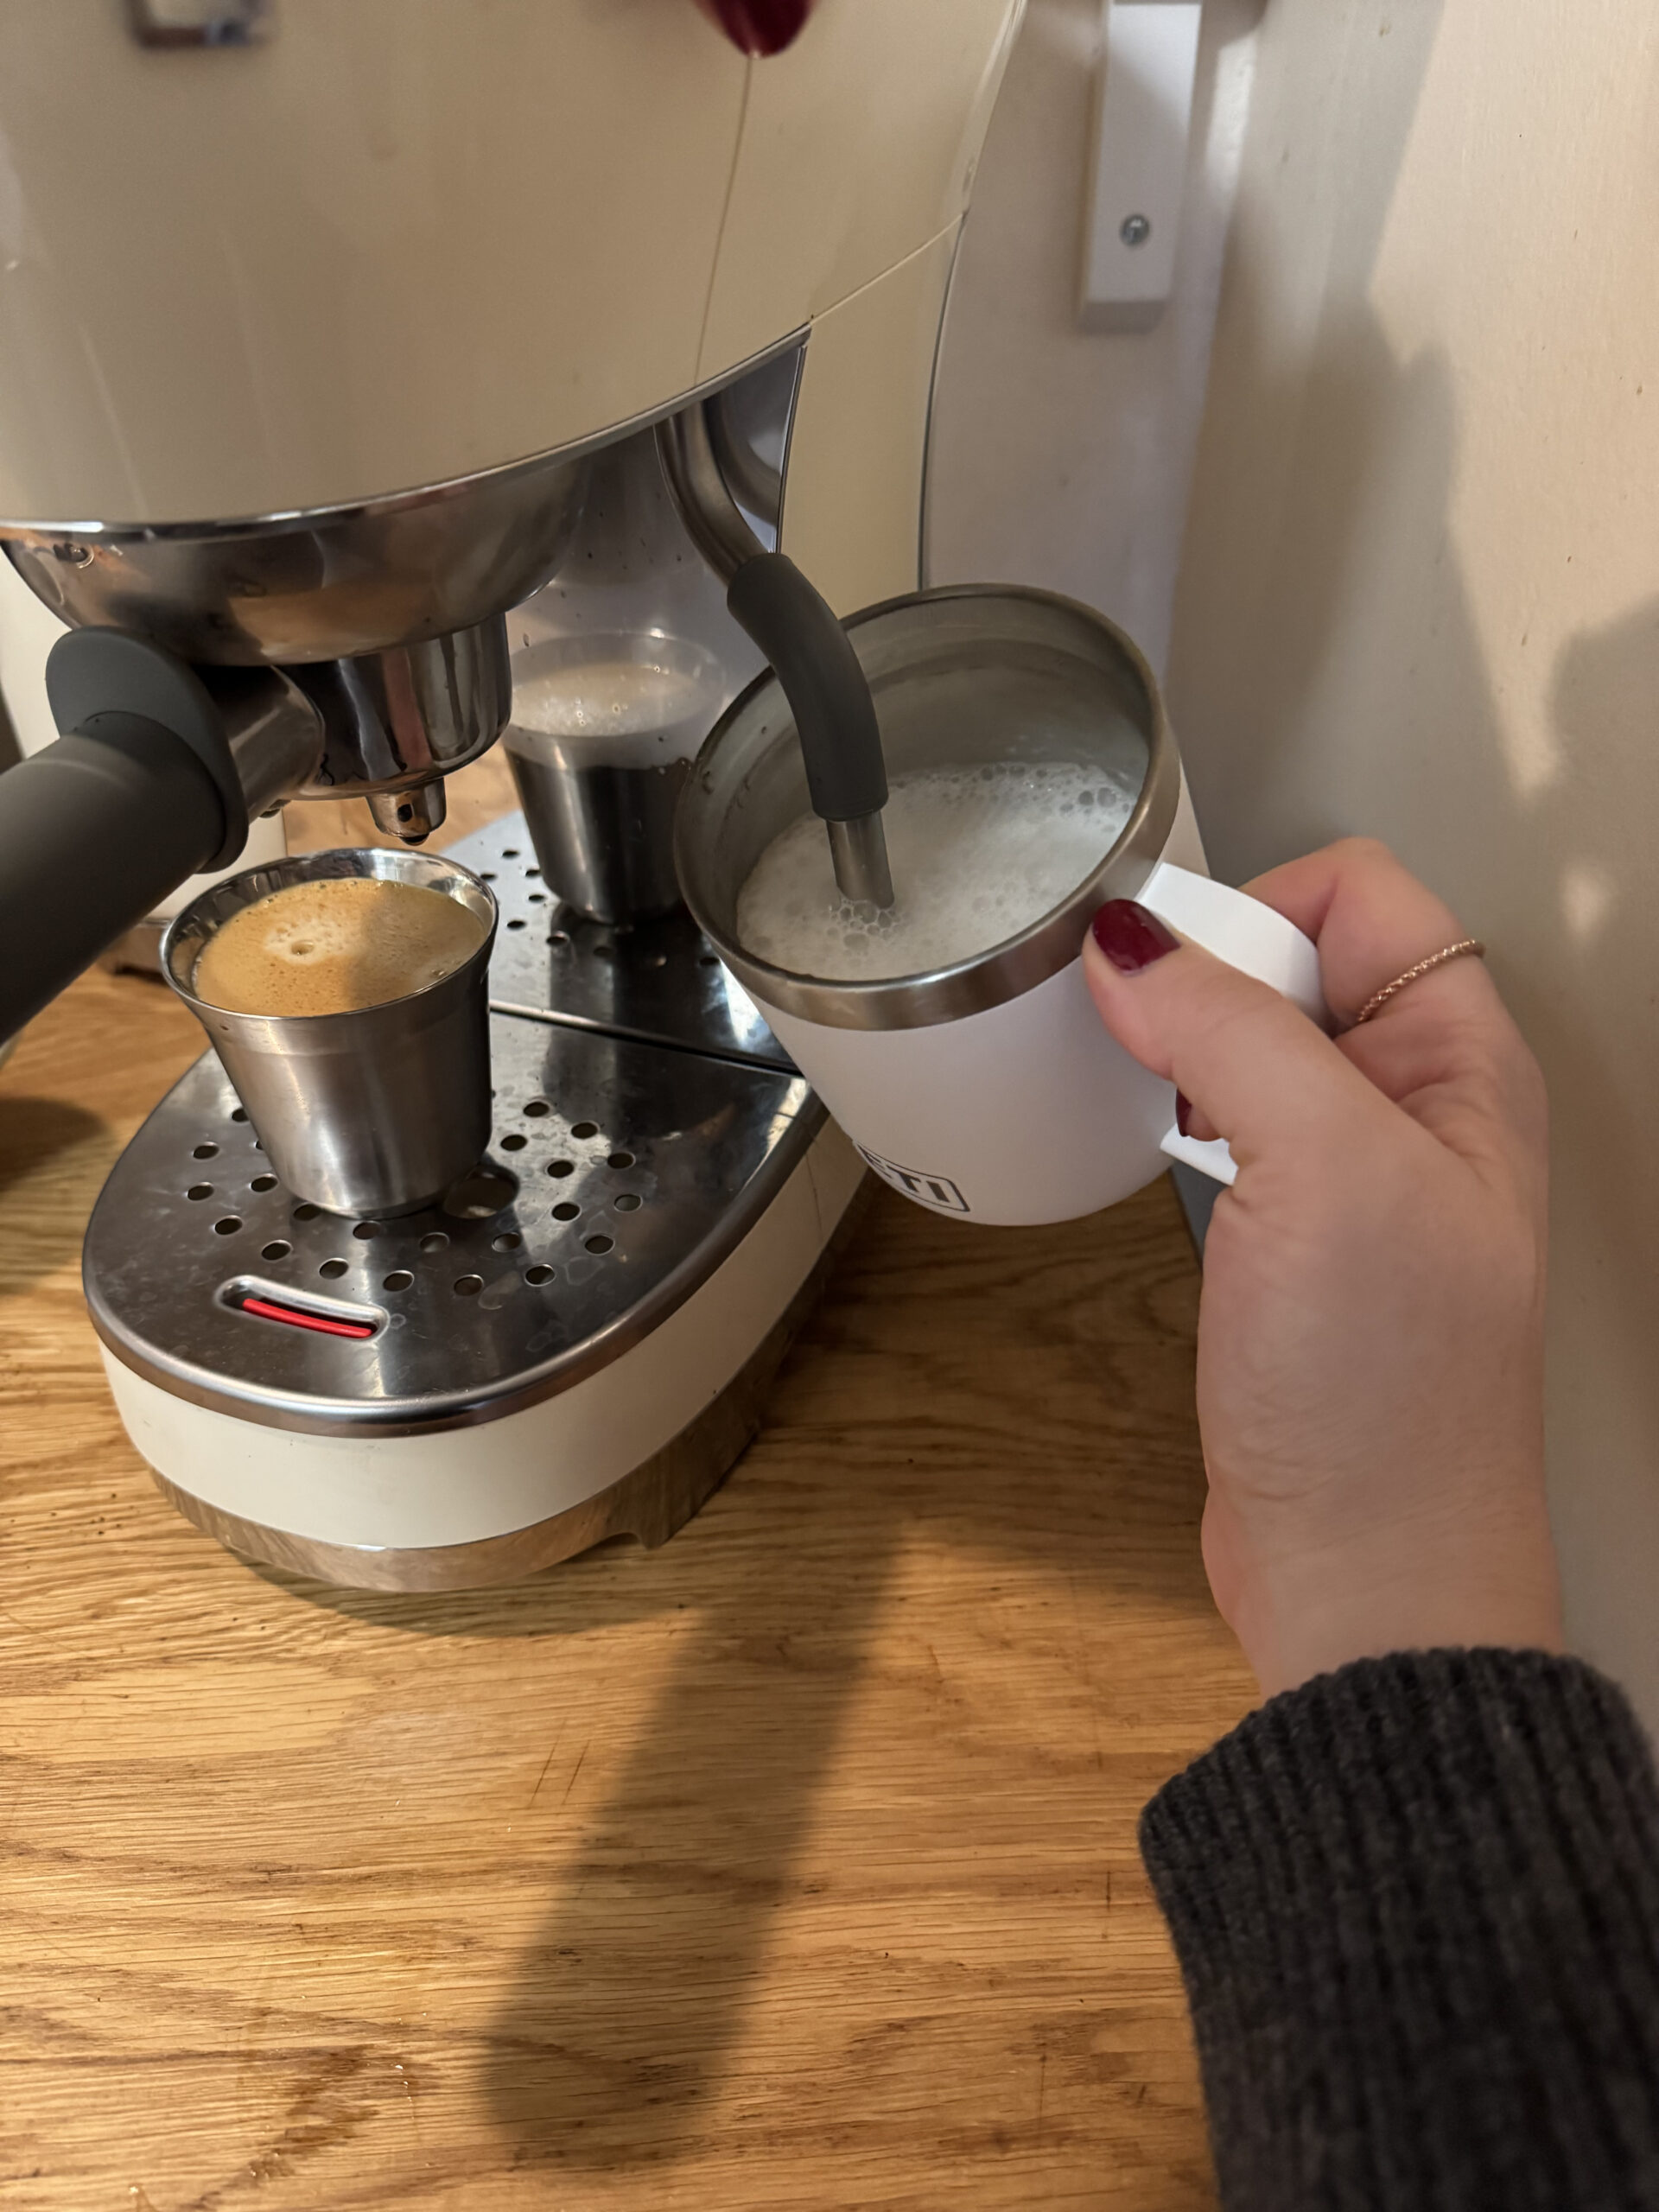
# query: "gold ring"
1378,1000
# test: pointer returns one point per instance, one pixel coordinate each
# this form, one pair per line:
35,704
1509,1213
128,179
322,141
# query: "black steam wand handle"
96,830
828,695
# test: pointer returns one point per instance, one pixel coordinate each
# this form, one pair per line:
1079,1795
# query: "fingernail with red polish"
1183,1113
1130,938
760,26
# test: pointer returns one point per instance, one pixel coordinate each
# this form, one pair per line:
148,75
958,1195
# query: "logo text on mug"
928,1190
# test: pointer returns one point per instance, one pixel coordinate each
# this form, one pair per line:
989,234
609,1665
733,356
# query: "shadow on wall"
1599,1018
1299,448
1329,677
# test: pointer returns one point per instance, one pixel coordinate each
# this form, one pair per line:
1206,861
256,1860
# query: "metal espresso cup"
599,799
376,1111
989,1087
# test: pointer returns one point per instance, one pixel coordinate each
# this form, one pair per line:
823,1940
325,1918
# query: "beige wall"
1420,597
1062,457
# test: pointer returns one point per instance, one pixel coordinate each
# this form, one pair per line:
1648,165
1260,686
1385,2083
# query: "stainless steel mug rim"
1007,970
193,925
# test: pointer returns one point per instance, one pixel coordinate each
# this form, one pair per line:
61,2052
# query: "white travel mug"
990,1088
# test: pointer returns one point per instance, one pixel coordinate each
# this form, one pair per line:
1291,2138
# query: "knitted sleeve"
1416,1906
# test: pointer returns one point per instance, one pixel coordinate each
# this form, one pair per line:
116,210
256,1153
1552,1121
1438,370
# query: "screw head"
1134,230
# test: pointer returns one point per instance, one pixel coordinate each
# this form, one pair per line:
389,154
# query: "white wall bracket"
1137,163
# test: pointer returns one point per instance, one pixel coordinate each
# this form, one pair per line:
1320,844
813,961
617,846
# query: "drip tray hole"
480,1194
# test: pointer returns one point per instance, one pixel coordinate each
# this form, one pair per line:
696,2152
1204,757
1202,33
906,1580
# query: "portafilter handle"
147,786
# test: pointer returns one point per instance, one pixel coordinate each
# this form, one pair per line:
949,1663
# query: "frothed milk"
977,854
626,712
333,945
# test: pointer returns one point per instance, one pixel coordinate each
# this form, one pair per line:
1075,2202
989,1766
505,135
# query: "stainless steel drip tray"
620,1175
659,982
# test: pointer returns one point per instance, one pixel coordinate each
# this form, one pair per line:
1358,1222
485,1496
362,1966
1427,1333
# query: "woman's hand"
1370,1353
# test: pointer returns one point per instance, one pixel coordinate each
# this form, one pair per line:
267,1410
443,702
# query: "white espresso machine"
319,325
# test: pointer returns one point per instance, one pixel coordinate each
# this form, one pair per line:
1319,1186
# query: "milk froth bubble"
333,945
599,698
978,854
623,714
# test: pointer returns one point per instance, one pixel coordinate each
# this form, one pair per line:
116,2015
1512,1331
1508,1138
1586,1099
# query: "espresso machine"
341,349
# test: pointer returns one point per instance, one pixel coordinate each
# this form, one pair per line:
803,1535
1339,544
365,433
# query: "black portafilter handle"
95,830
828,695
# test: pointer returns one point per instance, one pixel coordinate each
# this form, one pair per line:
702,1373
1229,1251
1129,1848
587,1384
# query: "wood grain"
793,1865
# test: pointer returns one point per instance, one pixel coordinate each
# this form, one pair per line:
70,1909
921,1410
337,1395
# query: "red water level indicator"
296,1317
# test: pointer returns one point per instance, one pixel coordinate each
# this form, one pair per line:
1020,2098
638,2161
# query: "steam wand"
830,696
810,653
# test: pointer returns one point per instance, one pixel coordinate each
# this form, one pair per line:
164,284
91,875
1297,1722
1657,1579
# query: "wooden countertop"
792,1864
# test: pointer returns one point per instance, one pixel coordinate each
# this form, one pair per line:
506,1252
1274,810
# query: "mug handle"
1250,936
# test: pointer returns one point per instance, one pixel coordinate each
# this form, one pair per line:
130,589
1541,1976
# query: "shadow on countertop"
1021,1397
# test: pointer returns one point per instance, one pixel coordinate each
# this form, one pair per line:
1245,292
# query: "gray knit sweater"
1416,1903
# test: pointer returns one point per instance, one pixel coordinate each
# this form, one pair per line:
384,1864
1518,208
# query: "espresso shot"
346,993
335,946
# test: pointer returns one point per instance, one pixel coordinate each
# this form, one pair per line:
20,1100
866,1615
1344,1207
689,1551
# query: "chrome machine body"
319,327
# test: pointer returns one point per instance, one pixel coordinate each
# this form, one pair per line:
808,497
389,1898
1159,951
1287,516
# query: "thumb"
1254,1064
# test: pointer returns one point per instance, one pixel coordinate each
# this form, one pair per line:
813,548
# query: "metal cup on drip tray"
603,732
376,1109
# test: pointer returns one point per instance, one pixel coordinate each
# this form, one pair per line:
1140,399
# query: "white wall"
1420,597
1058,457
